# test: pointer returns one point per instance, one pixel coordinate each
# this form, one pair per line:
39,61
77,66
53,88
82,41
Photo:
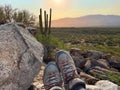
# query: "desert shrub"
114,77
51,43
106,49
97,36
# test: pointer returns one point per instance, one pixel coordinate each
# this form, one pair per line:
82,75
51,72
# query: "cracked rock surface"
21,57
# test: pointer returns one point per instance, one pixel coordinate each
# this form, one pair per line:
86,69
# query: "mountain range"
88,21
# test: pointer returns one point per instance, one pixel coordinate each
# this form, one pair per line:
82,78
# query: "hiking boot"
67,67
51,76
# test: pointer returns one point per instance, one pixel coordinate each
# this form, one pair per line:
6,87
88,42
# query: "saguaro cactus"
40,22
47,23
50,21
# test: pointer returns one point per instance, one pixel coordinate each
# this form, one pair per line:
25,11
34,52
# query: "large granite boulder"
92,87
103,85
20,57
107,85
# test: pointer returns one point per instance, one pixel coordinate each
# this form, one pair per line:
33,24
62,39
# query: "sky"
67,8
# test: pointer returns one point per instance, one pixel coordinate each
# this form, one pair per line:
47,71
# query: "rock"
74,51
103,85
92,54
92,87
103,63
115,65
107,85
88,78
113,62
107,56
115,70
118,87
100,63
105,74
79,60
87,65
93,63
21,56
98,72
38,80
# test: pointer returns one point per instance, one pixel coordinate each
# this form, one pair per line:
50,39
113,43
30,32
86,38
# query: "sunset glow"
57,1
67,8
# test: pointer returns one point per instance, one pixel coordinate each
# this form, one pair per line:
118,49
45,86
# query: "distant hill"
89,21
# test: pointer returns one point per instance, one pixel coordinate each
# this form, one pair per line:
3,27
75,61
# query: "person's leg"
56,88
51,77
67,67
76,84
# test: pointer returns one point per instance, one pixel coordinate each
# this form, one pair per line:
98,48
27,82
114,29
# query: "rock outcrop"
98,85
107,85
20,57
88,78
103,85
97,67
97,64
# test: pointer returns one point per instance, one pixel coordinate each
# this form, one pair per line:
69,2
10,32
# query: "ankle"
76,82
56,88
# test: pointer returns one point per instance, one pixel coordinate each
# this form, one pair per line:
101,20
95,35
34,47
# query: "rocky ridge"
94,67
21,57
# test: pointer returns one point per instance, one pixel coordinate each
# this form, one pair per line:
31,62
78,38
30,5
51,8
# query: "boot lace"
68,71
52,80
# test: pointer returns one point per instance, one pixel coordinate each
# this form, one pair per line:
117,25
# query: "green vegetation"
106,49
44,36
47,28
103,39
109,75
51,41
8,14
114,77
94,36
106,40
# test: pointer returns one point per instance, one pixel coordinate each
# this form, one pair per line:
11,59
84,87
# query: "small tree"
7,14
28,18
2,17
25,17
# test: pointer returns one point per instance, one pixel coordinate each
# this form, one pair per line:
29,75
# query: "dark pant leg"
78,87
56,88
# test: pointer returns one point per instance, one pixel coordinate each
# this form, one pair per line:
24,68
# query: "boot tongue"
76,82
